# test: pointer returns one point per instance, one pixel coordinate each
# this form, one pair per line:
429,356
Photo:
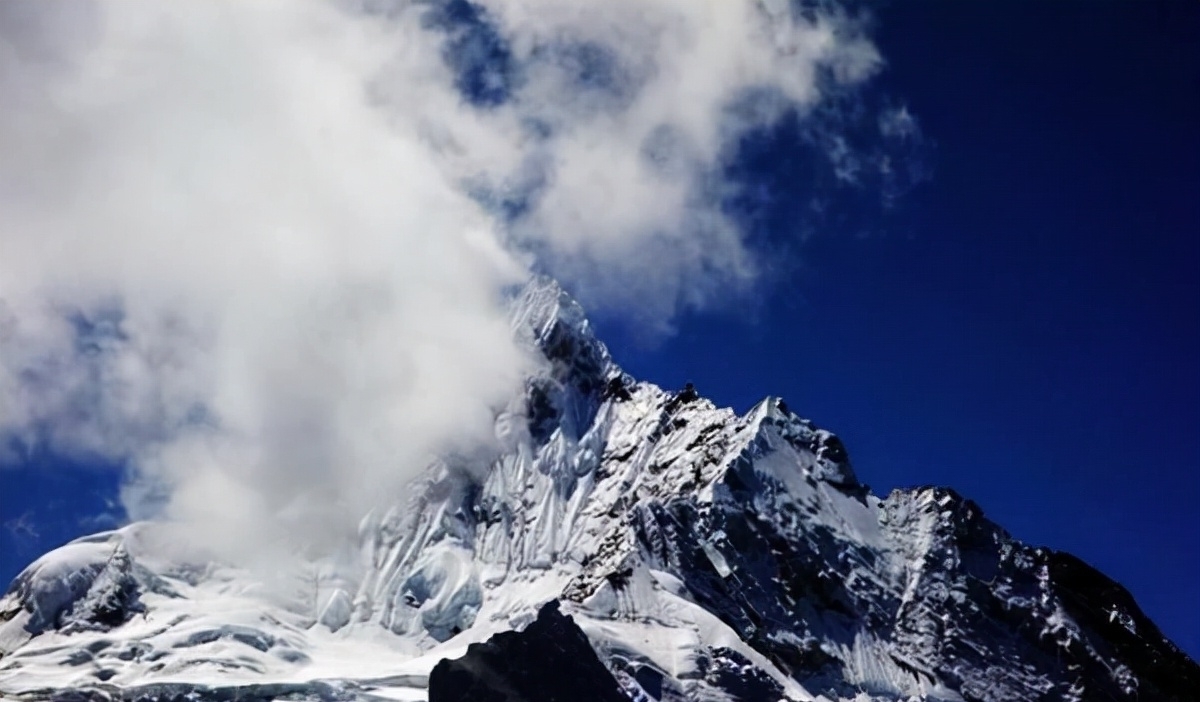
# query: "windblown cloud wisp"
257,252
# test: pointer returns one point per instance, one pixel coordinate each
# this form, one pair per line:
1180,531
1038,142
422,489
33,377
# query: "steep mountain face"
704,555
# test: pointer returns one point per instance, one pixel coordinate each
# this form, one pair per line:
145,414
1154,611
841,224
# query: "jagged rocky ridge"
705,555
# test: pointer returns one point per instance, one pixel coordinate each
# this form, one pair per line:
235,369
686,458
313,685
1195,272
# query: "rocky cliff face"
550,660
705,556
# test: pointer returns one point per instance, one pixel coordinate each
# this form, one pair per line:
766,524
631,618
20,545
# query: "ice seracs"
705,555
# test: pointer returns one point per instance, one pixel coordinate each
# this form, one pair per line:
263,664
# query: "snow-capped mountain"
703,555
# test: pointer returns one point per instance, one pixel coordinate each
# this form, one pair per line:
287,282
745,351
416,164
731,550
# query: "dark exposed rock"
541,412
729,671
550,661
1106,608
113,598
684,396
617,389
101,594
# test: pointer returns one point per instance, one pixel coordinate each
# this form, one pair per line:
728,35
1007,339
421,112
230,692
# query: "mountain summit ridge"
705,555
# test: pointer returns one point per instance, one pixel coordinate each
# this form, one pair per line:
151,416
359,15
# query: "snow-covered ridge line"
706,555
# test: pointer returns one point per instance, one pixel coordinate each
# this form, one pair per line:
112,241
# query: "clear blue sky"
1024,326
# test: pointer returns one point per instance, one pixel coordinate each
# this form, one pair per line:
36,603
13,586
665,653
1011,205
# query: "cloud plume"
257,252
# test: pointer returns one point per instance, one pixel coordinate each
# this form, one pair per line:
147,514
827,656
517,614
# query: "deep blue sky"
1023,327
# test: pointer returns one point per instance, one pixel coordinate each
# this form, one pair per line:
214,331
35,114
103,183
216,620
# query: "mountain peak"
701,555
545,313
541,302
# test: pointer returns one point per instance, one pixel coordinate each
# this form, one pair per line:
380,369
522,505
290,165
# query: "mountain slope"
705,555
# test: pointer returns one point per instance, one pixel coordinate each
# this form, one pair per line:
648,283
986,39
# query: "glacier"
705,555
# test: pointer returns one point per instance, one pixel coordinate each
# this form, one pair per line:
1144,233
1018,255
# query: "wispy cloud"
23,529
258,251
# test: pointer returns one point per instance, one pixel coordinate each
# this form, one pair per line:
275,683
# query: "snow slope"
706,555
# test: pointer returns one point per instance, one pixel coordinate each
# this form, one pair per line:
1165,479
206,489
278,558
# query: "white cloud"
295,300
241,245
899,123
648,234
